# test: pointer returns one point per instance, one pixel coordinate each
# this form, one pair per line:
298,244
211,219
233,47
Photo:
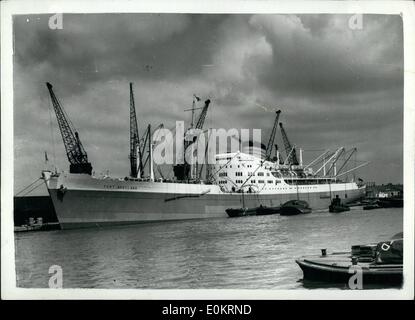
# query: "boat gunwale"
367,269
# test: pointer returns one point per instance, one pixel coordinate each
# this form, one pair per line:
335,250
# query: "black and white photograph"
185,149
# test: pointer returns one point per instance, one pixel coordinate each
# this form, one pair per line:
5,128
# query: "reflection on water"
254,252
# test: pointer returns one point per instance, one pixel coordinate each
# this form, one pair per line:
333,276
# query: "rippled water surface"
251,252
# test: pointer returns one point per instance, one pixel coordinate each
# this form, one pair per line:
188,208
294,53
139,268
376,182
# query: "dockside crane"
289,150
182,171
135,149
75,151
202,116
199,124
272,136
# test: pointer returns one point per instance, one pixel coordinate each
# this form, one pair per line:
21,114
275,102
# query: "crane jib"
136,160
272,136
75,151
289,150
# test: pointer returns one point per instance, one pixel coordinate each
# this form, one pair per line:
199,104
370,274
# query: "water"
255,252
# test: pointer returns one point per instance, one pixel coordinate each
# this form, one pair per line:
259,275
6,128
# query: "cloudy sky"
335,86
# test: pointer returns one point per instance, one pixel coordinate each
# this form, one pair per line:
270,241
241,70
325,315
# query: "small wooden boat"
336,268
338,208
26,228
240,212
258,211
263,210
32,225
371,206
294,207
390,202
44,227
380,263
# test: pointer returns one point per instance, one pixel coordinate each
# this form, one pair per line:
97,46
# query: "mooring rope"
28,186
34,188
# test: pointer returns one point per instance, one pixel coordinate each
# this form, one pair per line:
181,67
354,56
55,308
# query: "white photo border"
9,8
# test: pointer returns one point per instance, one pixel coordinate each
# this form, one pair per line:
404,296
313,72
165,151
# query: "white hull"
84,201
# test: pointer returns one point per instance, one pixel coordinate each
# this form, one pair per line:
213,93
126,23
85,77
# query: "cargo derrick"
272,137
75,151
291,156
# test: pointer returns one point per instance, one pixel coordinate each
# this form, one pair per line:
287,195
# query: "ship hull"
81,201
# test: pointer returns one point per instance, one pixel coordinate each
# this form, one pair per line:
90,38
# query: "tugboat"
380,263
294,207
336,206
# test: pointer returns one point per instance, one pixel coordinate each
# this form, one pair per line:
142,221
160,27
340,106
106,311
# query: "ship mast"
150,153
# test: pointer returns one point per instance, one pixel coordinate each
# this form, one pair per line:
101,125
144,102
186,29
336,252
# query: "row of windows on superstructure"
251,181
251,174
269,182
120,187
238,166
240,174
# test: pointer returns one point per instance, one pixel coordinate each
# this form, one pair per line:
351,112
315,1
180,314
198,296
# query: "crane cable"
51,132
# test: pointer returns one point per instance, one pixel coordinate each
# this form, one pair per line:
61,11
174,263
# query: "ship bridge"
233,171
238,171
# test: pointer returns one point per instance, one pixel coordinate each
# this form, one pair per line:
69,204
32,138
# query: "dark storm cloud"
116,46
329,57
336,86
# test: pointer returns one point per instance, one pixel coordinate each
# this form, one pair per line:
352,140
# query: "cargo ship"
81,199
